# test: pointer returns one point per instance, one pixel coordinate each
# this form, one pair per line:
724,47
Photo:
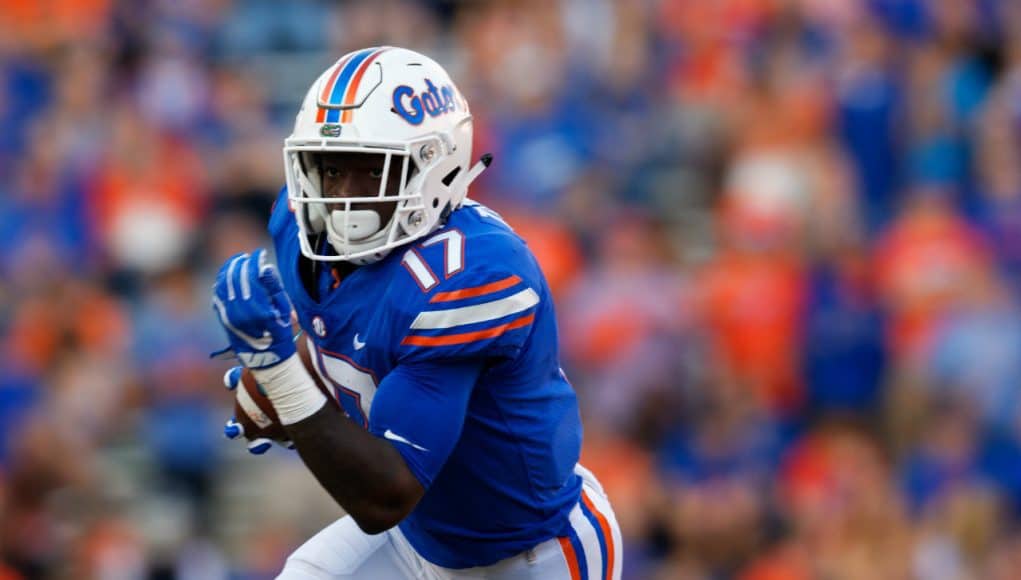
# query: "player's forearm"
363,473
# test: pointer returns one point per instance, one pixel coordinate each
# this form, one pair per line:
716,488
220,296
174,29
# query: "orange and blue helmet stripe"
342,86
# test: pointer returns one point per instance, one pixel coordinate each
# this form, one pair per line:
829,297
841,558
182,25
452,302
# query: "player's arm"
378,476
363,473
417,411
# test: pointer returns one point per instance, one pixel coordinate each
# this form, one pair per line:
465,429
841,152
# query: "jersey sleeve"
425,432
482,314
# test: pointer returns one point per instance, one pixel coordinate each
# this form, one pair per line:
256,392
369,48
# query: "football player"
455,452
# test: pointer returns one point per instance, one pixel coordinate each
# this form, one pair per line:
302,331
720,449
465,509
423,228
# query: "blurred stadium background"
785,238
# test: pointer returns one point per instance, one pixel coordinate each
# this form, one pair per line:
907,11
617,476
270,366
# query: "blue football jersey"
471,293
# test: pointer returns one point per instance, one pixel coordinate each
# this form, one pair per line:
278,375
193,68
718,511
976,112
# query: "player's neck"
313,272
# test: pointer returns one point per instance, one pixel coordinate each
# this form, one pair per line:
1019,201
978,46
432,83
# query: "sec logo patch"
319,326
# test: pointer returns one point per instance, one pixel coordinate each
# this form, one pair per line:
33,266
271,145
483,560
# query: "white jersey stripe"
436,319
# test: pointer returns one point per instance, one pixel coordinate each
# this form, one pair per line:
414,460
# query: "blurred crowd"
784,237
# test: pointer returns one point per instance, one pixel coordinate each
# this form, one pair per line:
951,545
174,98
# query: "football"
253,410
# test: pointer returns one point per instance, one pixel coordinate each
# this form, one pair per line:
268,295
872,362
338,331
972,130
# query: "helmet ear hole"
449,178
436,202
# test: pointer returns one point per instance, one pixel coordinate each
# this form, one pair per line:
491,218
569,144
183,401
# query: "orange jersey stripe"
476,291
571,557
328,88
605,526
352,88
464,337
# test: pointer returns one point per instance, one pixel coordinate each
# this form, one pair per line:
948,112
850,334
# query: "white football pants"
592,551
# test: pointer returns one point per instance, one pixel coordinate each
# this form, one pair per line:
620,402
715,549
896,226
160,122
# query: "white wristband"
291,390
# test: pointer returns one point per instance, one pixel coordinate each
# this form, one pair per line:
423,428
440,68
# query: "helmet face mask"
360,190
381,177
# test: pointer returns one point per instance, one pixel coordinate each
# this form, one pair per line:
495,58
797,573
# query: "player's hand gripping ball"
254,418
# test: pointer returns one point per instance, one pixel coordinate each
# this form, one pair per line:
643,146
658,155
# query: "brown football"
253,410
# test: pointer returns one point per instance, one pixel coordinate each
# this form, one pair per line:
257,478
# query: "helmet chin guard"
355,225
395,104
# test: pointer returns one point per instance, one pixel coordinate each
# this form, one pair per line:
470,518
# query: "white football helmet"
401,107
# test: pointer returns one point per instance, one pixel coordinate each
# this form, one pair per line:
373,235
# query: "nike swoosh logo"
395,437
359,345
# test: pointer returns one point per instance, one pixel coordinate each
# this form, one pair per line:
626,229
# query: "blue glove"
232,429
253,308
